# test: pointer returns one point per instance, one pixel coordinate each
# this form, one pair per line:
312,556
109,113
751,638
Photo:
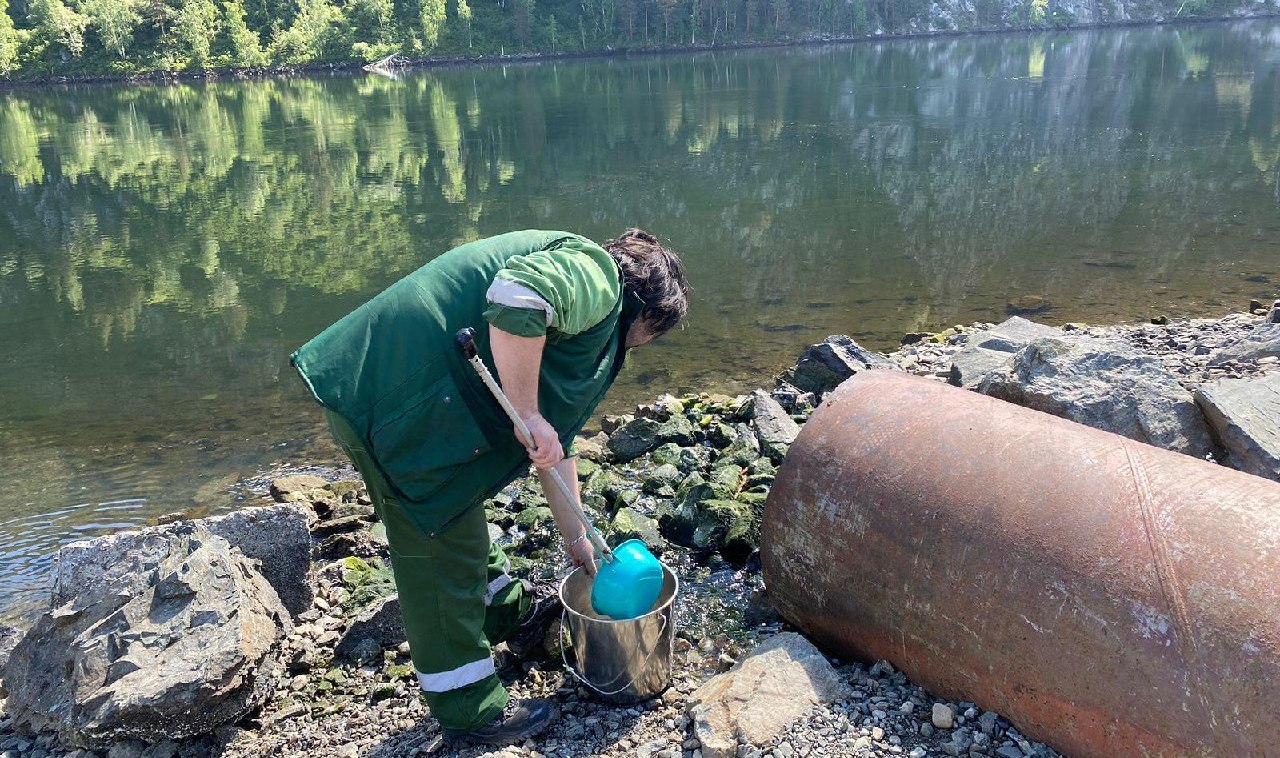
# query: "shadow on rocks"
584,727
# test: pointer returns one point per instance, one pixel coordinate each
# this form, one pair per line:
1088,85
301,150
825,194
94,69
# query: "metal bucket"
622,662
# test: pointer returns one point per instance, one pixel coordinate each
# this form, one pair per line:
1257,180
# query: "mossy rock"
678,520
365,581
521,565
687,459
631,524
763,467
348,490
531,518
728,527
500,516
743,451
726,480
586,468
665,475
721,435
607,484
634,439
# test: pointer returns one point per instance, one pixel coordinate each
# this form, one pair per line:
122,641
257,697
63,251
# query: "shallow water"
163,249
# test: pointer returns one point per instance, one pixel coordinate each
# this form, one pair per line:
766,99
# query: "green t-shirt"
578,280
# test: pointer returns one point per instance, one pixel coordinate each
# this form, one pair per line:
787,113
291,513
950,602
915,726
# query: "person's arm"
576,542
518,360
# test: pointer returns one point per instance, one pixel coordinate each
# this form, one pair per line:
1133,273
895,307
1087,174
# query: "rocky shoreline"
323,669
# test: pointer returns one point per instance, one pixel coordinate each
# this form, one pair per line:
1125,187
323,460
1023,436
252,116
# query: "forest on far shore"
75,38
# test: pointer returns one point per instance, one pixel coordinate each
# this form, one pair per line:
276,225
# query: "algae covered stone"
632,524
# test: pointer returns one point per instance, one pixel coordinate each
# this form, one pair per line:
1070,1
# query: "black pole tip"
467,342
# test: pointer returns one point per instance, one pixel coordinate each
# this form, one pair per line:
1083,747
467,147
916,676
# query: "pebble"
942,716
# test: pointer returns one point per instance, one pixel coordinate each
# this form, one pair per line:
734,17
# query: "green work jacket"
392,369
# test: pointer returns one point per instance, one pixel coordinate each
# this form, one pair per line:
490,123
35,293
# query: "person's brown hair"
655,274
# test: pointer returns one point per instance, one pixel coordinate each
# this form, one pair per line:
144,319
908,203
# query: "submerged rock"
777,684
1107,385
1245,417
167,632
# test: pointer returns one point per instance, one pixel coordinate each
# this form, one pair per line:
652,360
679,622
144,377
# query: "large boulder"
822,367
277,537
1245,417
774,428
1107,385
994,348
1262,342
782,679
167,632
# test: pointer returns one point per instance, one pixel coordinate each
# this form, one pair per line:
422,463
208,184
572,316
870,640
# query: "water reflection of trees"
960,156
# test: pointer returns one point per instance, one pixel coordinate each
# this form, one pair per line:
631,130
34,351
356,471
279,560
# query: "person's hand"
581,553
547,451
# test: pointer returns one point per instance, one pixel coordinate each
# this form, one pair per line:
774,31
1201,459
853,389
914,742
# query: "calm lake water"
163,249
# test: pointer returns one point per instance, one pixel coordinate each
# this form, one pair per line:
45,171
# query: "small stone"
1008,751
943,716
918,752
877,733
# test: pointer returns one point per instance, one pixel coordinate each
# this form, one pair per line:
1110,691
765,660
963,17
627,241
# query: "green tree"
464,15
59,25
244,47
431,21
194,29
8,41
310,35
114,21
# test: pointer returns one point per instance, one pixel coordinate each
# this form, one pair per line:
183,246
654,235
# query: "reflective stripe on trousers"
498,584
453,679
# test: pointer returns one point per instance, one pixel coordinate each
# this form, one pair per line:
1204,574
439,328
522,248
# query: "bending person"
432,443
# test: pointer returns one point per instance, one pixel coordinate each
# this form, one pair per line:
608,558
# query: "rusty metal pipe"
1107,597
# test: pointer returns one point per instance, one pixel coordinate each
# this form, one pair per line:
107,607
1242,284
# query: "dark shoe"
518,722
527,640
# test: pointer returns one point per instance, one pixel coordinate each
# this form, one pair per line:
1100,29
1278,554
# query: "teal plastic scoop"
627,586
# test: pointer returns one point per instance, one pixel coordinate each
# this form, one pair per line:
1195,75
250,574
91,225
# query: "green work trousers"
456,597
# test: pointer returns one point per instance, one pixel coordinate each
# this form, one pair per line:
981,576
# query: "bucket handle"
564,615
